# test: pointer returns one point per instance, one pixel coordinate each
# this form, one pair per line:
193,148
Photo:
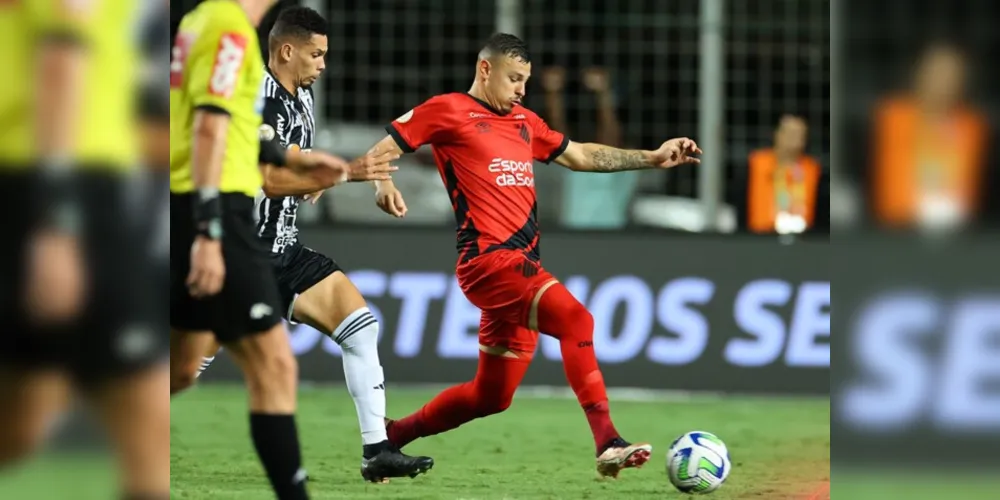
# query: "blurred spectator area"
887,41
386,56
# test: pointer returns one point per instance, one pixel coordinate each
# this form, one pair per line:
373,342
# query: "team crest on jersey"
406,117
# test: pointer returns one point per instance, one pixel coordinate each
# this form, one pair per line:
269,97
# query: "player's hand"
329,169
390,200
676,152
56,278
208,269
372,167
313,197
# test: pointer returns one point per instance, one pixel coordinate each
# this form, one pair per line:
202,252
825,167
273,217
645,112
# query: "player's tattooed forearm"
608,159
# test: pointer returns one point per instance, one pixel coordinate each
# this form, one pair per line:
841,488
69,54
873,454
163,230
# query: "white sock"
205,363
358,339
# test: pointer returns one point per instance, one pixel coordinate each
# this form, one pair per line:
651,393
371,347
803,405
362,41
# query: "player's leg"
491,391
135,411
246,319
271,373
118,354
319,294
556,312
493,282
33,391
188,354
32,401
323,297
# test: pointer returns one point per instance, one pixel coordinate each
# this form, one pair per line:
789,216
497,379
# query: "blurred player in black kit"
76,302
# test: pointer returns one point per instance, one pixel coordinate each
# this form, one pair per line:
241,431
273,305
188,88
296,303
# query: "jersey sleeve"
66,20
432,122
276,115
546,144
216,64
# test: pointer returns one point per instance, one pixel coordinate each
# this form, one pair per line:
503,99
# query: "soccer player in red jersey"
485,145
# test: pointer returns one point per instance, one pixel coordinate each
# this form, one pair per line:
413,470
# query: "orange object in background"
929,148
918,157
783,181
775,188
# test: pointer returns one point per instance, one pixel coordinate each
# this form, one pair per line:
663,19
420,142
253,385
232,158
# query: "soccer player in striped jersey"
314,289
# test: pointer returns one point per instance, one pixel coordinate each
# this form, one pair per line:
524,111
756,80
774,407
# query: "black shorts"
298,269
248,303
122,328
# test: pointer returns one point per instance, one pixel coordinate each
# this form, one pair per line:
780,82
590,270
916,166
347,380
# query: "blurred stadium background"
723,72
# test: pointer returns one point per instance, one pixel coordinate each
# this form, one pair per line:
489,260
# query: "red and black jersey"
486,160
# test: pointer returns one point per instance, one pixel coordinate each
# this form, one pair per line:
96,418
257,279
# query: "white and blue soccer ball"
698,462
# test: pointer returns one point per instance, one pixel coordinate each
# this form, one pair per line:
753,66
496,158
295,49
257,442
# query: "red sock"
565,318
490,392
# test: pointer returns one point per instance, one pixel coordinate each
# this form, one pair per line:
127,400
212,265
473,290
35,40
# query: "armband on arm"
208,213
58,197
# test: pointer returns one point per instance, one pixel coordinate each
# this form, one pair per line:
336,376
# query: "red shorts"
502,284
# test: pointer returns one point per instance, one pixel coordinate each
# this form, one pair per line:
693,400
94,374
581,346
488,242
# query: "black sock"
370,450
277,443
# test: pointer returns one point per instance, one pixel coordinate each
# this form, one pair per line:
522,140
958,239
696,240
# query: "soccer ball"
698,462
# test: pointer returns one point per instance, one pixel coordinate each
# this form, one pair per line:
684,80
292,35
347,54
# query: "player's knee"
492,398
273,373
183,377
584,322
491,404
181,382
325,325
566,317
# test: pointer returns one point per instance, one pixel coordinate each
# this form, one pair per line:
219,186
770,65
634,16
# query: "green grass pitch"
539,448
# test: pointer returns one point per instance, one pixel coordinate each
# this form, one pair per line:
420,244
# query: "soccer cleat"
619,454
393,463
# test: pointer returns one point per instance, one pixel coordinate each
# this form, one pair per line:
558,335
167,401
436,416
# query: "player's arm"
213,76
277,148
208,147
54,266
387,196
548,145
63,57
432,122
593,157
316,171
304,178
389,146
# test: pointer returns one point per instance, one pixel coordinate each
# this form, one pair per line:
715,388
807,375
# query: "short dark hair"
505,44
296,24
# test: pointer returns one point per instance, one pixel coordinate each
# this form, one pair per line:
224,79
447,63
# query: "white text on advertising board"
663,323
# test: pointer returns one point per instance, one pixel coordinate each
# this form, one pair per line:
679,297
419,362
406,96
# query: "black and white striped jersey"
293,121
